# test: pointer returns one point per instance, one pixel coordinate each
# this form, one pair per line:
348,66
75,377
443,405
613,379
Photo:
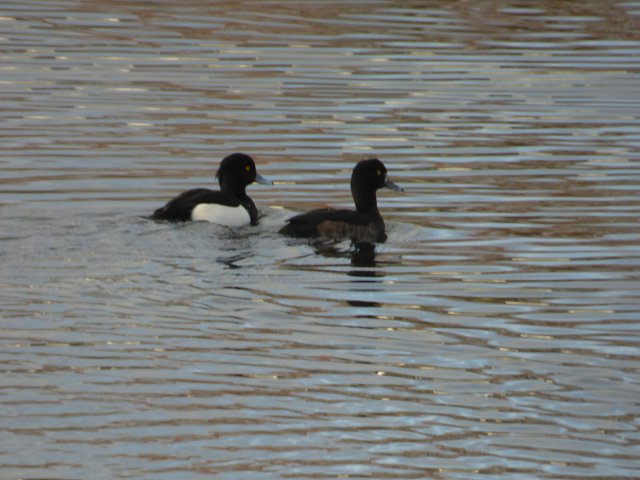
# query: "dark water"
496,334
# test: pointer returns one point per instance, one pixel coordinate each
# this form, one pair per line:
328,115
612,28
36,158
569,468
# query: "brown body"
364,224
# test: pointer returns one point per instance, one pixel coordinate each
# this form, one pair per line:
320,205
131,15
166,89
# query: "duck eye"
247,168
378,172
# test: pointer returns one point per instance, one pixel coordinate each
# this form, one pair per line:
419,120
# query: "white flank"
221,214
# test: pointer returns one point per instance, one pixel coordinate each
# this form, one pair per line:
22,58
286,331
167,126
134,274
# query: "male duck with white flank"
230,206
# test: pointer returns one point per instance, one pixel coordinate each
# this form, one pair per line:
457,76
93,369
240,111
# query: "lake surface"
495,334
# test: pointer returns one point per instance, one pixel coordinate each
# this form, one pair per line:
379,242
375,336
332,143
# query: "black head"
367,177
237,171
371,175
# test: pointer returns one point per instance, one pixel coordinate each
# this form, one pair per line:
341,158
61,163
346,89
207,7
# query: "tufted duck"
365,224
230,206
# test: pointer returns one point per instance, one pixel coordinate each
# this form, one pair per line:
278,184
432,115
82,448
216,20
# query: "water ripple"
495,332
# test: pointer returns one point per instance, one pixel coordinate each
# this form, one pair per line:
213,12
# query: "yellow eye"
247,168
379,172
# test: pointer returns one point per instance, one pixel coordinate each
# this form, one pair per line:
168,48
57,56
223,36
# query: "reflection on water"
494,333
361,254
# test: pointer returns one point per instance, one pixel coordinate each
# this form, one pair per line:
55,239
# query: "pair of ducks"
231,206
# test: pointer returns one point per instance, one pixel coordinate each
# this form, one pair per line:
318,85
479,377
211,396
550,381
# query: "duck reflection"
361,254
363,257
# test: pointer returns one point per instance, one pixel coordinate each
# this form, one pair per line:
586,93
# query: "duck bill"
392,186
264,181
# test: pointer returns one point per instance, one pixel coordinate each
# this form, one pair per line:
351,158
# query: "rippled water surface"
495,334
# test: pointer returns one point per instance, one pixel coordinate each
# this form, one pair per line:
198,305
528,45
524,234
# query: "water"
495,334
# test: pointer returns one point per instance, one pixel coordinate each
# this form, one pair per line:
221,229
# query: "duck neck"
365,200
237,188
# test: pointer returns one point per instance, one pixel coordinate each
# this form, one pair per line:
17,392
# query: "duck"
362,225
230,206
